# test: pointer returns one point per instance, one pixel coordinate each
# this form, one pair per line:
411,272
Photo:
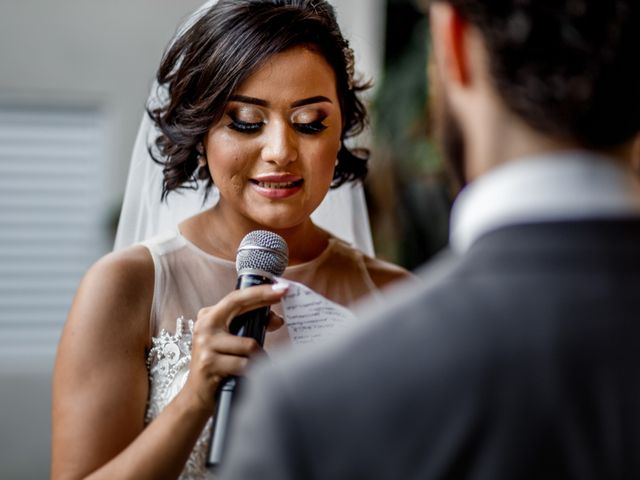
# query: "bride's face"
273,153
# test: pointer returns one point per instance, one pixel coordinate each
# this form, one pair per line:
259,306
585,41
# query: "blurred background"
74,77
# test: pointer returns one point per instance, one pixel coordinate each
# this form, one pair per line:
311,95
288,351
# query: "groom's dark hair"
569,68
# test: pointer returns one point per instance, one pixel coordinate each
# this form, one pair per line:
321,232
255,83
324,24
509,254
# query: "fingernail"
280,286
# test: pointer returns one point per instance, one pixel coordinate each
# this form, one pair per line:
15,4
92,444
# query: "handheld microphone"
261,256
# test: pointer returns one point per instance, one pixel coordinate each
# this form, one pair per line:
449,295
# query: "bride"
260,98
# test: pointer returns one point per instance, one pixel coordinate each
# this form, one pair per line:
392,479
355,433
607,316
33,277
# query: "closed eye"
245,127
310,128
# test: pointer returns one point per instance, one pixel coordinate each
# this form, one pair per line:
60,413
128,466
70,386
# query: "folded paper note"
310,317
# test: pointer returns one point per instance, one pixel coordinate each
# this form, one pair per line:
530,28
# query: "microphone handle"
220,423
250,324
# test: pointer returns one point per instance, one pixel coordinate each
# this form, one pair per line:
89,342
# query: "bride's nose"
280,144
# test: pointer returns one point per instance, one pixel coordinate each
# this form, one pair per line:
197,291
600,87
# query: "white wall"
101,54
88,51
362,22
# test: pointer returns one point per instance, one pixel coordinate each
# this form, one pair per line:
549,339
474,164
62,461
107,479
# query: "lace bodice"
168,364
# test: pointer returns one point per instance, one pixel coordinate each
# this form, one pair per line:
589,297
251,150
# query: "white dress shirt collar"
552,187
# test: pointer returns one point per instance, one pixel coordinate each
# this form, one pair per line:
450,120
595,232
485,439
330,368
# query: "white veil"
343,212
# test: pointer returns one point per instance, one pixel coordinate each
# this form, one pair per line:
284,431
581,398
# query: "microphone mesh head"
264,251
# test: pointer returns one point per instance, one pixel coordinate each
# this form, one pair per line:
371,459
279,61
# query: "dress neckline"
331,245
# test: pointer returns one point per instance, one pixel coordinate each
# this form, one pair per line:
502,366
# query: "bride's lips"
277,186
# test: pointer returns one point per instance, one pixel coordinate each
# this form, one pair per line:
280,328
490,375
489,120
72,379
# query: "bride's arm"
100,384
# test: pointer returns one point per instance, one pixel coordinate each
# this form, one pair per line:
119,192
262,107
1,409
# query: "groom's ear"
450,39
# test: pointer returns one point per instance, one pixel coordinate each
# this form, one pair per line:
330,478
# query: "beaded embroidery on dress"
168,364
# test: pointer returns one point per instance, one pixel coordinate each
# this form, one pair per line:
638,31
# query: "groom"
519,358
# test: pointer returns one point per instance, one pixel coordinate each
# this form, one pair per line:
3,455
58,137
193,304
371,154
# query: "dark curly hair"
569,68
205,65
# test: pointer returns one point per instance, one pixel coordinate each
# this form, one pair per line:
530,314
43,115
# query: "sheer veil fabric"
343,212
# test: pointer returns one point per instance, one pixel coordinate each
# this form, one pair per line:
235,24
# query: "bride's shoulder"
114,299
125,274
380,271
384,273
130,262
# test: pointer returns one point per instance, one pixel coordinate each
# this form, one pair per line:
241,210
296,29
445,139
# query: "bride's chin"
283,222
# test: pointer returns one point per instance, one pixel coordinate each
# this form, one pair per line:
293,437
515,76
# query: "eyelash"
245,127
312,128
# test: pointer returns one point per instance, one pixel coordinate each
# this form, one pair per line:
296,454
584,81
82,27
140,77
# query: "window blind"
52,222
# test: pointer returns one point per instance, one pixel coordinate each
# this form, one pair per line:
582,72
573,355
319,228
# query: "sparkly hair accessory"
349,61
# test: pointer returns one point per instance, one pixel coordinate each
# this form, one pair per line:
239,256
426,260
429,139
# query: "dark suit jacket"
521,361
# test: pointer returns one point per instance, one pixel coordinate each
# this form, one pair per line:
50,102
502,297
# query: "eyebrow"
264,103
310,100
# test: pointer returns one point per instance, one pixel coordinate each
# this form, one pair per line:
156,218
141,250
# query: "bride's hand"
216,353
